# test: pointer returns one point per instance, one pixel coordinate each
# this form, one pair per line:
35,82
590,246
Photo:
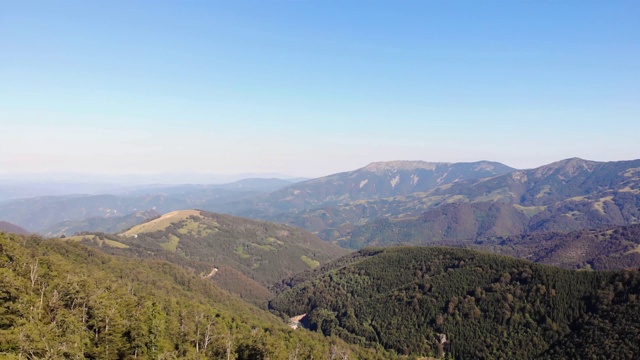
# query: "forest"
463,304
66,300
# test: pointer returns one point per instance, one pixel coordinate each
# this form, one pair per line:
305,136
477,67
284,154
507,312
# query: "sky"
309,88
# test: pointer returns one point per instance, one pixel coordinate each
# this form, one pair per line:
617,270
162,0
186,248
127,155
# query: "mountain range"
12,228
564,196
191,283
55,215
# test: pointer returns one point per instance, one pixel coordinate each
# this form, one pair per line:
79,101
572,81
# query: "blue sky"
310,88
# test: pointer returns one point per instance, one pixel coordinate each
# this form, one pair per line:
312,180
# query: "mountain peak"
570,166
382,166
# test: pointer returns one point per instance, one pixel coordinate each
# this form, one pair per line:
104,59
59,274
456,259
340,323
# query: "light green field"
110,243
264,247
272,240
115,244
172,245
162,222
310,262
240,251
529,210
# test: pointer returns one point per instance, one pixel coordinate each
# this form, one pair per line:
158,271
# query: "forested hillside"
465,304
65,300
241,255
598,249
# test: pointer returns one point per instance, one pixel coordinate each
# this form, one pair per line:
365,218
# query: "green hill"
65,300
241,255
465,304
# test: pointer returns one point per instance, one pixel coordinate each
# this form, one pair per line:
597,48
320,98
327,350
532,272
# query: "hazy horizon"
309,89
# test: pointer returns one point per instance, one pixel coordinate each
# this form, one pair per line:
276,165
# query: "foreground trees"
65,300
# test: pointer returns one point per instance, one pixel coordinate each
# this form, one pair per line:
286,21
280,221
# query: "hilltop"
241,255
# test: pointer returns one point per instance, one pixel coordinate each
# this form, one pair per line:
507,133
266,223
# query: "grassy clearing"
115,244
273,240
264,247
111,243
162,222
310,262
599,205
546,190
636,250
240,251
172,245
79,237
529,210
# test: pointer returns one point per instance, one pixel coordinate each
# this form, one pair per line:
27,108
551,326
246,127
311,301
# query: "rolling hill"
241,255
463,304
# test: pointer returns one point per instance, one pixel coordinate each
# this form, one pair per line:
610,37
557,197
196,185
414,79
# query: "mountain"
61,300
463,304
11,228
241,255
41,213
564,196
374,181
597,249
249,185
49,214
113,224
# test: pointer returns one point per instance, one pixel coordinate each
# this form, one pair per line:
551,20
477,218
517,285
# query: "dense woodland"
598,249
65,300
464,304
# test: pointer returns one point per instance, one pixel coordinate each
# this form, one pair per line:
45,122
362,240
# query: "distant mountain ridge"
374,181
50,214
112,224
12,228
567,195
